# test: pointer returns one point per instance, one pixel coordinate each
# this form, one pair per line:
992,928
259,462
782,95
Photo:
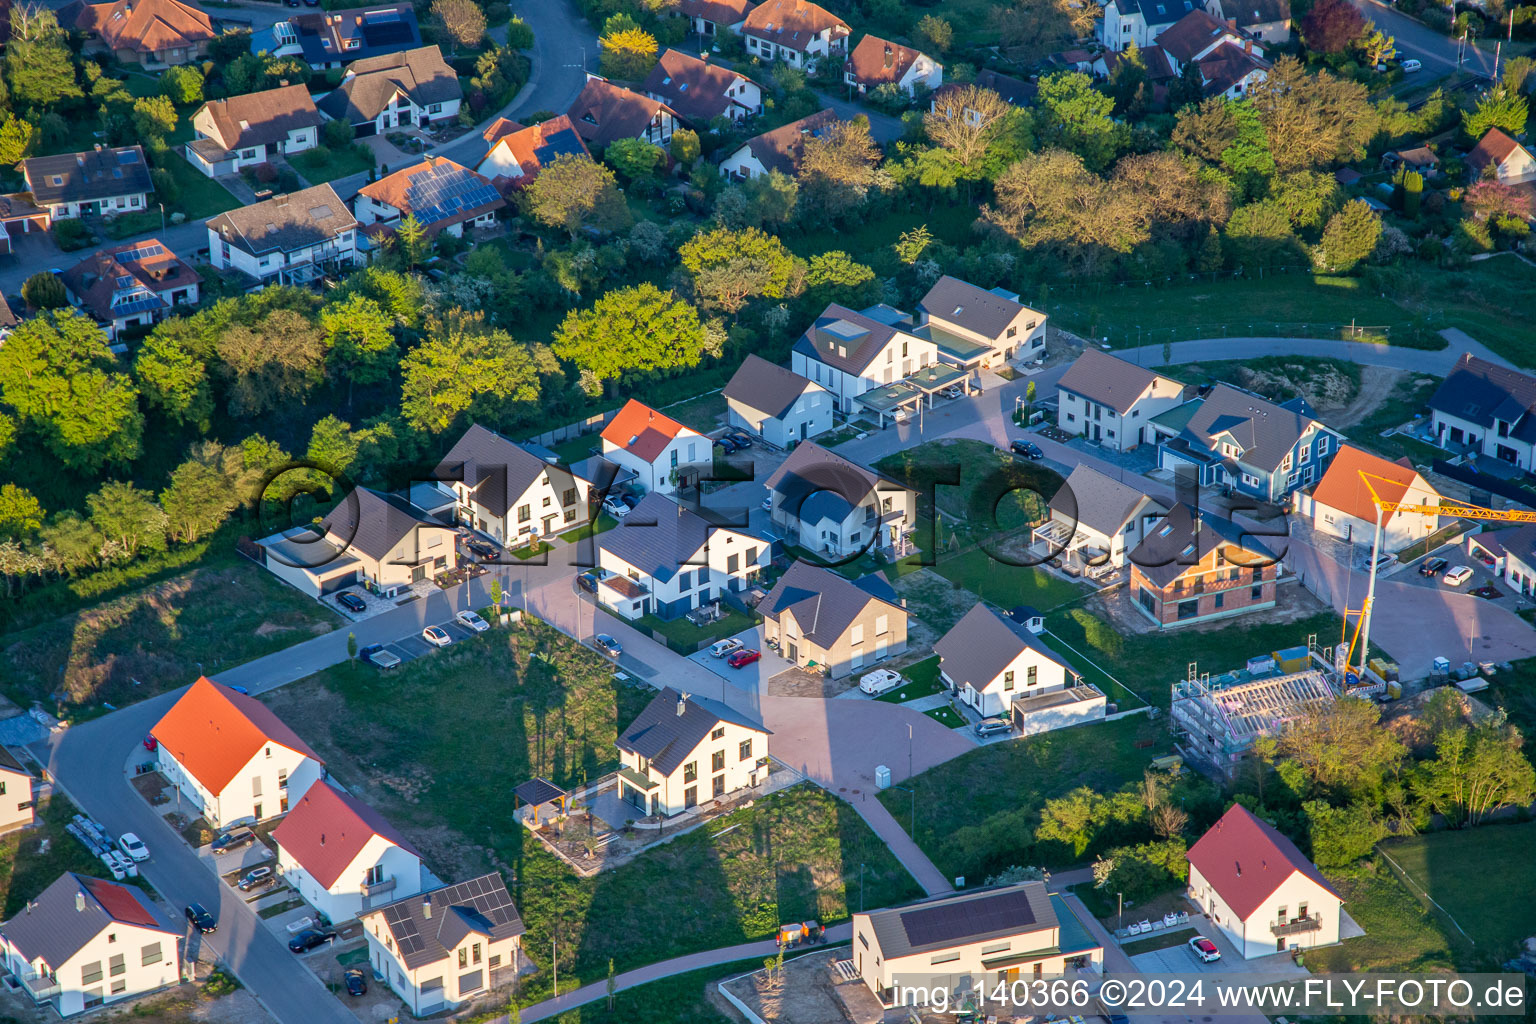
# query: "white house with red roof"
230,757
1342,504
85,942
662,453
1263,895
343,857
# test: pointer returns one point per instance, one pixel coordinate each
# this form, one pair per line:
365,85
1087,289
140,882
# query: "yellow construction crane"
1445,507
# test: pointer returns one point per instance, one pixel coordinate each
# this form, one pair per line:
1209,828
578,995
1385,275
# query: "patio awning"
1020,958
637,780
935,378
539,791
890,397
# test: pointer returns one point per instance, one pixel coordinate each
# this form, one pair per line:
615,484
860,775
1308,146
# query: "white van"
880,680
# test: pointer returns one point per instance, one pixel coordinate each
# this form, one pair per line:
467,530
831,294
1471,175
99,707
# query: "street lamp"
1120,901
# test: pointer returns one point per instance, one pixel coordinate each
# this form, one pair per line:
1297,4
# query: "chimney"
1239,865
322,838
682,705
1232,23
1247,45
79,902
890,57
282,83
426,907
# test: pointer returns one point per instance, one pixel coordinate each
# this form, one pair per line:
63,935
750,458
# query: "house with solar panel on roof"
442,948
332,39
683,751
131,285
85,942
665,560
343,857
517,154
295,238
102,180
972,940
443,196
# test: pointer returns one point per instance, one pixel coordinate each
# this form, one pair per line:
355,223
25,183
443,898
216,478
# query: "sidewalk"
902,846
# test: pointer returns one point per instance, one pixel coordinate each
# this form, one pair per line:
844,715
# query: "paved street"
1415,39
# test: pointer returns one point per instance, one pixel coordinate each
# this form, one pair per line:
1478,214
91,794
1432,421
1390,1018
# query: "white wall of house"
1453,430
542,506
1252,937
1029,674
123,961
827,42
727,562
1398,529
742,165
1059,716
1024,335
810,415
16,808
1517,167
1102,424
746,99
402,110
222,255
902,355
718,769
688,450
500,162
1119,544
444,985
369,210
419,555
860,530
379,862
271,781
1117,30
129,203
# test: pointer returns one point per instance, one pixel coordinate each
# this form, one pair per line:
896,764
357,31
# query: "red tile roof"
328,829
1245,860
642,431
876,61
146,26
721,12
534,146
1343,488
213,732
1494,148
604,113
117,901
498,129
793,23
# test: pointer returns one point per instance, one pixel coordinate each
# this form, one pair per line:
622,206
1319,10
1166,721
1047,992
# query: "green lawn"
683,635
577,448
160,636
1444,863
1400,936
1476,299
322,164
945,716
974,485
950,224
1515,692
437,744
922,681
1151,662
1162,940
977,814
669,1001
199,197
1094,673
591,528
1008,585
704,413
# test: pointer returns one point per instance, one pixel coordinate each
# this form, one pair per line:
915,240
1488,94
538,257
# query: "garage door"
371,128
341,582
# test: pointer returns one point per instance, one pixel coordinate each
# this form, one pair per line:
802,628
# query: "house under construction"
1215,720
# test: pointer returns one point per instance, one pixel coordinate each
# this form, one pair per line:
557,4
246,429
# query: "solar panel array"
143,252
967,918
139,305
562,143
486,896
445,191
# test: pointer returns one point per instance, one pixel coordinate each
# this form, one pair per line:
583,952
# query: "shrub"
71,235
336,134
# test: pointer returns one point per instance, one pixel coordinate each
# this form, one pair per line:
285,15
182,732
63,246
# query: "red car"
743,657
151,744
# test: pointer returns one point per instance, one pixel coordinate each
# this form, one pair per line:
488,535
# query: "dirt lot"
1293,602
798,682
808,991
934,605
1376,386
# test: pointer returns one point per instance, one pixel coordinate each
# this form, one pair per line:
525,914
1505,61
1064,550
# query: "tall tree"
128,516
1501,108
44,290
934,35
200,495
1052,203
1333,26
463,21
629,333
729,267
628,51
58,375
276,360
465,367
837,170
1077,117
1340,747
333,445
39,66
1350,237
173,379
575,193
1477,770
1313,119
21,514
359,341
966,120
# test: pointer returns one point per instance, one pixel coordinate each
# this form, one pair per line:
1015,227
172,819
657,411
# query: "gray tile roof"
1098,502
1106,379
1258,12
982,644
285,223
823,603
1164,558
783,148
659,537
73,911
988,313
375,523
767,387
1265,431
1157,12
421,74
671,726
815,482
947,921
1477,391
497,471
82,177
845,339
478,905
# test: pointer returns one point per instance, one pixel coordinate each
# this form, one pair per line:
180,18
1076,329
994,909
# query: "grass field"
25,872
1008,585
678,998
972,484
437,744
1152,662
1444,863
159,636
922,681
951,224
1093,673
323,164
977,814
199,196
1400,935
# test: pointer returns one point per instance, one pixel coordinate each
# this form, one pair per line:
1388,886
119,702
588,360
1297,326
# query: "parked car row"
733,439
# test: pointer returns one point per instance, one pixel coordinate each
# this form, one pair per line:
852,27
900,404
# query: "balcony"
1296,925
379,888
1210,586
40,987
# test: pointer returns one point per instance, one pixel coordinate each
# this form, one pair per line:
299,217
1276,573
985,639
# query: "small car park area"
752,678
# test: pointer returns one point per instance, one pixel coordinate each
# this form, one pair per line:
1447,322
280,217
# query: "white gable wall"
344,899
1252,937
257,792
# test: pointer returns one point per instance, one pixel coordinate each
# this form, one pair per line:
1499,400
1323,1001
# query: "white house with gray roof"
994,663
85,942
1095,521
1140,21
683,751
874,351
666,560
1236,440
778,404
292,238
831,624
1488,409
979,328
837,509
972,940
1112,402
442,948
395,90
509,493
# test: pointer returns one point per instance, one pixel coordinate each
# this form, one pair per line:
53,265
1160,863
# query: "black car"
588,582
357,983
630,501
1028,449
200,918
351,602
309,938
234,839
741,437
727,445
1433,566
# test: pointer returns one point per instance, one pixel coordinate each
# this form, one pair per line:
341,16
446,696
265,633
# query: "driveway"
751,678
883,128
1416,39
